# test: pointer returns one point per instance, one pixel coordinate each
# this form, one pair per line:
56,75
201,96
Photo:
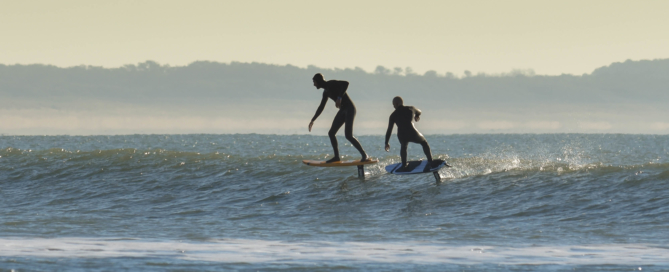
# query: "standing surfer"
336,90
404,116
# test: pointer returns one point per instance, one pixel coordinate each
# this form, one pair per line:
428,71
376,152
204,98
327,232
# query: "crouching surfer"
403,117
336,90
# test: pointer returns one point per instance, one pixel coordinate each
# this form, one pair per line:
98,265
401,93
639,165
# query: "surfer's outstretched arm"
389,131
319,110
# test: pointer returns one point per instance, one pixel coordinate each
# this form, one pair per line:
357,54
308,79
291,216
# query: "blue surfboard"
416,167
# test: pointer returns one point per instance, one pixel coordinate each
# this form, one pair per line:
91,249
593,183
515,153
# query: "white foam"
258,251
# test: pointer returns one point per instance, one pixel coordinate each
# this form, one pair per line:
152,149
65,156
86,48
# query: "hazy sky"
551,37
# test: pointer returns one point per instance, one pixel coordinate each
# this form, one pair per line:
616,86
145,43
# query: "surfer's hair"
318,77
398,100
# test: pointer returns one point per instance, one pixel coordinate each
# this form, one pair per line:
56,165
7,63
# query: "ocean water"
245,202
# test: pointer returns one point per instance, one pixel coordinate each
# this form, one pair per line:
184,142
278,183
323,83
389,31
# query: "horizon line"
406,71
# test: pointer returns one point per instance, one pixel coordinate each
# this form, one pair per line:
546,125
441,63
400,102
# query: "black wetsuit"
406,132
334,89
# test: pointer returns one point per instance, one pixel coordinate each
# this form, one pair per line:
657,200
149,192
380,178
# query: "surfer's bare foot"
335,159
365,158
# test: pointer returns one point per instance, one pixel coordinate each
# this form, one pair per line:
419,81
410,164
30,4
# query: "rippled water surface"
246,202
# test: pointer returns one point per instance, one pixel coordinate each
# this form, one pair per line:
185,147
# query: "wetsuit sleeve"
340,88
416,111
391,123
320,107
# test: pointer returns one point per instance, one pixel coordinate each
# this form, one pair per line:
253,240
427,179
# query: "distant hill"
611,94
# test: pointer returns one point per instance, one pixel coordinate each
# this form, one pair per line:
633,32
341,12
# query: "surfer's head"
319,81
398,102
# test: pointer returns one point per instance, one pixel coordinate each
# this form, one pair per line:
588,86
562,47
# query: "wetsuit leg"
348,130
414,138
428,153
338,121
403,152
